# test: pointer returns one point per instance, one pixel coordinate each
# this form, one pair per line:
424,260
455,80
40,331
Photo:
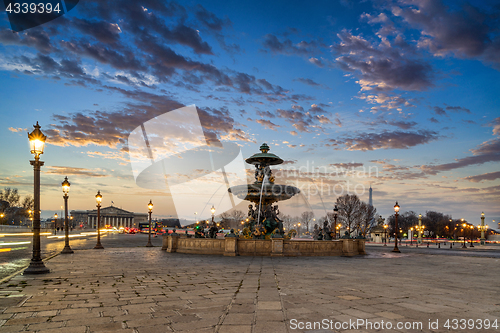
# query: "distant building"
112,216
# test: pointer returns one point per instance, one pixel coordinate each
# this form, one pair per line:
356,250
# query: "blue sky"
408,87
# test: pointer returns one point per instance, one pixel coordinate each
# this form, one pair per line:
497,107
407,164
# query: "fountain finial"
264,148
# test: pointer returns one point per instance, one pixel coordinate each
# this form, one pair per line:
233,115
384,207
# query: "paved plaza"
147,290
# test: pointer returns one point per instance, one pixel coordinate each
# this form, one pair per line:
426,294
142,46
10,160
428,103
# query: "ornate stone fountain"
264,232
263,217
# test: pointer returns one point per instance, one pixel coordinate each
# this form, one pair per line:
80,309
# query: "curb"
5,279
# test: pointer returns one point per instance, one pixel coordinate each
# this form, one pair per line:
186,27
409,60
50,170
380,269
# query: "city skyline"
405,89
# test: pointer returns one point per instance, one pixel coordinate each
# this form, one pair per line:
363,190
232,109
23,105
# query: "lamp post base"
149,244
396,250
36,267
67,250
98,246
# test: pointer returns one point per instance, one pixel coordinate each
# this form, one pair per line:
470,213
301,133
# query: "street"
16,249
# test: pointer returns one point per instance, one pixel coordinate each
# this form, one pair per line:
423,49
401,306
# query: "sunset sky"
408,88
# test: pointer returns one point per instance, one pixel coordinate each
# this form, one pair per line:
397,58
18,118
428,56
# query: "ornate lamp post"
98,199
55,223
298,228
396,209
335,214
213,212
483,239
411,236
463,232
65,186
37,143
150,207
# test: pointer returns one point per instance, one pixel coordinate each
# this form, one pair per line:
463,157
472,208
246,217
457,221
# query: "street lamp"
65,187
385,234
213,212
463,231
37,143
411,237
150,207
335,214
55,223
298,228
396,209
98,199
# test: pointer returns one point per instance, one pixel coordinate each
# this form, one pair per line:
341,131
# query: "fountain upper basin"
270,192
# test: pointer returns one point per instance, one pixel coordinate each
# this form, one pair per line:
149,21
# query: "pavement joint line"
224,315
280,295
256,299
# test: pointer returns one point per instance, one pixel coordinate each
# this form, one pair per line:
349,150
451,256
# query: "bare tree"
349,207
11,196
287,222
232,219
306,218
27,204
367,219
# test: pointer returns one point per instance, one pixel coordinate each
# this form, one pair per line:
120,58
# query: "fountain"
263,220
263,233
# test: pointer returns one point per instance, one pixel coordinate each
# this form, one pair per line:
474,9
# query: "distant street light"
335,214
213,212
385,234
396,209
463,232
37,143
411,237
98,199
150,207
65,186
55,223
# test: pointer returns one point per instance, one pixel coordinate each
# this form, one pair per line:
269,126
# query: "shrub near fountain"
263,233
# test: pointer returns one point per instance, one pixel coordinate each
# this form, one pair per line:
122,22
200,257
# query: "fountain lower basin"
276,247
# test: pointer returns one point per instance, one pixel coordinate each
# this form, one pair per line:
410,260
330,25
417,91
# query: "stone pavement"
149,290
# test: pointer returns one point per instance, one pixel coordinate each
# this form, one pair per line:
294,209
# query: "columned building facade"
113,217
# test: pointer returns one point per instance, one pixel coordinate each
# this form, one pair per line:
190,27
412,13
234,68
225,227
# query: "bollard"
439,245
427,245
451,245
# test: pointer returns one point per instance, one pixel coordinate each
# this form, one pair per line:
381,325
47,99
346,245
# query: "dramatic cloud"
35,37
380,66
267,124
488,151
309,82
61,170
210,20
274,45
346,165
468,32
496,126
387,140
102,31
485,176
